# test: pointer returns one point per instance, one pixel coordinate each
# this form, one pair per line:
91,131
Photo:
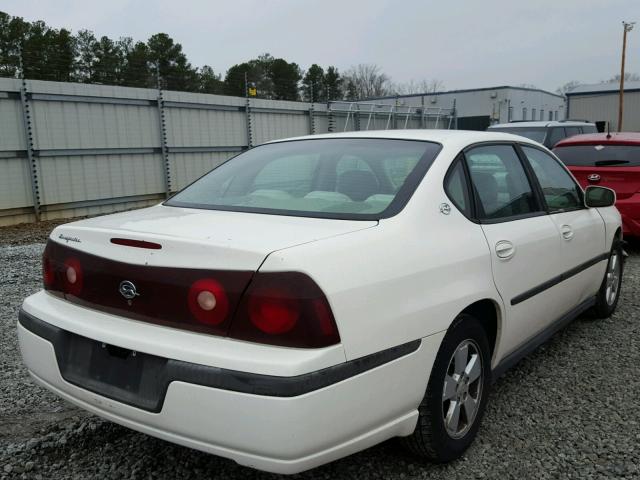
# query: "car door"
523,240
580,229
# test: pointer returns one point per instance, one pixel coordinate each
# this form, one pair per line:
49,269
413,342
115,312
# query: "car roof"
552,123
616,138
445,137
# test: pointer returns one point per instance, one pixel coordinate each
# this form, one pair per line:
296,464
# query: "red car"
608,160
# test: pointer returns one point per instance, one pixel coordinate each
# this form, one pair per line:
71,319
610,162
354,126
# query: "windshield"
534,133
328,178
599,155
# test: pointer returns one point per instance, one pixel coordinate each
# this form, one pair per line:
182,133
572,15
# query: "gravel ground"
569,411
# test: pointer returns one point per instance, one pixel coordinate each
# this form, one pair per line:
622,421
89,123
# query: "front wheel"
609,293
456,396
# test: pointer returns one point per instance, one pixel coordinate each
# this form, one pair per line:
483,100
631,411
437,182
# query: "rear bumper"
307,423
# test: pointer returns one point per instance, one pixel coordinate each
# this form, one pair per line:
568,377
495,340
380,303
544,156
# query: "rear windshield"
599,155
534,133
327,178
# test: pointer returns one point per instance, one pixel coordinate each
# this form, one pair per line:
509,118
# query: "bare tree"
423,86
628,77
367,80
567,87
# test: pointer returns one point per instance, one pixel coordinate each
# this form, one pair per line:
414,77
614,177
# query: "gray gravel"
571,410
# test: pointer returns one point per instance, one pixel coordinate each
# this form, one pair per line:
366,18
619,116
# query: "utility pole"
626,27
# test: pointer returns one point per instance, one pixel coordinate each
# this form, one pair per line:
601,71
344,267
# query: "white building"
599,103
478,108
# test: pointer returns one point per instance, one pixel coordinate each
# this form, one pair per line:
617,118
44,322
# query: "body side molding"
556,280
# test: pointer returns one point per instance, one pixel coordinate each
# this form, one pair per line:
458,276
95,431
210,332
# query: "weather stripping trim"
556,280
159,372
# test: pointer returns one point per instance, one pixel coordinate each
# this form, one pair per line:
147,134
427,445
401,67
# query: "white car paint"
388,282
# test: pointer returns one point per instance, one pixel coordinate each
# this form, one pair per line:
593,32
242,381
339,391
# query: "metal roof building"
600,103
478,108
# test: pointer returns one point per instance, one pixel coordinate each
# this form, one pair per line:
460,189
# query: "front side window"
500,182
560,191
329,178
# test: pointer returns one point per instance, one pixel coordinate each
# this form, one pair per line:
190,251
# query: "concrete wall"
604,107
100,149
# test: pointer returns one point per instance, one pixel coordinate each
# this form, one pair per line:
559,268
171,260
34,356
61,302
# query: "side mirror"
596,197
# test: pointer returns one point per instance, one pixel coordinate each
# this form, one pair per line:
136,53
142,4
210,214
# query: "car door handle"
567,232
505,249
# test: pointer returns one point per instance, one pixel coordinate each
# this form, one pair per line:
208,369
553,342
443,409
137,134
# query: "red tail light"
281,308
273,311
48,273
287,309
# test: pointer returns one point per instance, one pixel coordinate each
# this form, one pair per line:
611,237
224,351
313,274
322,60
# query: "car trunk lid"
194,238
164,257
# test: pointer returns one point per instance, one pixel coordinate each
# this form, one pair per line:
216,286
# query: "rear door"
580,229
524,242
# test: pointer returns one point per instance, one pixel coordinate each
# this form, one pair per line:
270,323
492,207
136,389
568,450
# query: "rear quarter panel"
407,278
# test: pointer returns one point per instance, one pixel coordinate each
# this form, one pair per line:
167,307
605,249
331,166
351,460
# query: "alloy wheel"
462,389
613,278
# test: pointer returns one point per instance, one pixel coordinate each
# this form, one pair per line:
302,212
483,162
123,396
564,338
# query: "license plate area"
115,366
128,376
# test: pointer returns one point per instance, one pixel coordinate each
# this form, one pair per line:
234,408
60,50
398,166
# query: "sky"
463,43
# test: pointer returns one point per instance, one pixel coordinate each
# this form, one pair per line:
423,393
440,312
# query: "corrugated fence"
70,149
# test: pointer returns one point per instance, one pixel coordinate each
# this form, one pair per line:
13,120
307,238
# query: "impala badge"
594,177
128,290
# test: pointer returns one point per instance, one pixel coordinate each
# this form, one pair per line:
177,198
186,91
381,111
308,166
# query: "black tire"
430,439
604,307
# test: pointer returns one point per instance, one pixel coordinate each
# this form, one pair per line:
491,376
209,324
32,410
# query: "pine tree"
313,84
209,81
333,84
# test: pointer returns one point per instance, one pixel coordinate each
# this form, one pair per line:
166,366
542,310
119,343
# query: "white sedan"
312,297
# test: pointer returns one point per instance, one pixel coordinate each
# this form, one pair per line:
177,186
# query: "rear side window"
560,191
457,189
500,182
599,155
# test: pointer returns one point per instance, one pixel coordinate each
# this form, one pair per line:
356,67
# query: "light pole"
626,27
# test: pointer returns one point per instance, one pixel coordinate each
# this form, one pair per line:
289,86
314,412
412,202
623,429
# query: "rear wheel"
453,405
609,293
